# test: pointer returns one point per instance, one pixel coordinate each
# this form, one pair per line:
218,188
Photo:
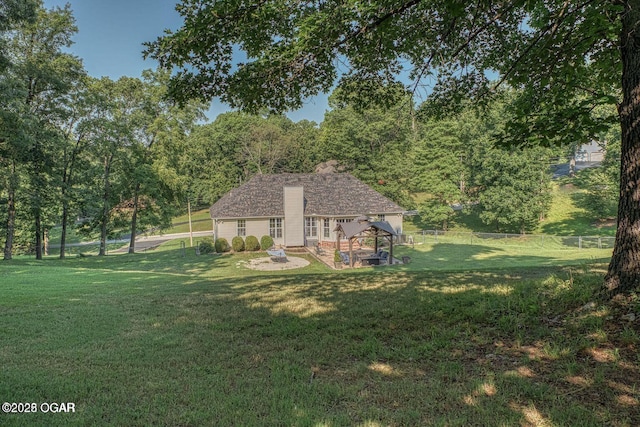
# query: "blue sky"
111,33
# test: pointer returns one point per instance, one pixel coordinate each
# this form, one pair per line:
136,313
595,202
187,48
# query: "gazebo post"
351,252
390,249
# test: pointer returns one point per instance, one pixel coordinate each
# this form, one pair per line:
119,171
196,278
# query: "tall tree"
440,170
566,57
370,142
153,174
12,14
234,147
44,75
111,132
513,186
84,105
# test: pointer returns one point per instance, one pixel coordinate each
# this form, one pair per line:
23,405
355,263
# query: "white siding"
396,221
255,227
293,216
227,229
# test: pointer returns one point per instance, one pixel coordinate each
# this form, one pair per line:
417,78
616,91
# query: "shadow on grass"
465,349
479,257
192,344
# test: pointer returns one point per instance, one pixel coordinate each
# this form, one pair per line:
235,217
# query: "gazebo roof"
358,227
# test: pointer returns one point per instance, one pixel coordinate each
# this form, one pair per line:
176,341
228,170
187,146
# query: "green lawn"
567,218
200,221
165,339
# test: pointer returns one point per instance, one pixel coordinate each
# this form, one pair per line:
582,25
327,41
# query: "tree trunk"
65,219
105,206
623,275
37,182
572,166
134,220
67,177
38,226
11,213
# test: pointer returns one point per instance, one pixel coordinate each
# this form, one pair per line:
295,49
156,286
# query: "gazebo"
362,227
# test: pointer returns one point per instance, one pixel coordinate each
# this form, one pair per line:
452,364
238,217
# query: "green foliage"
602,189
237,243
440,169
602,184
371,143
251,244
12,14
222,245
266,242
436,213
38,79
378,41
236,145
514,188
336,256
206,245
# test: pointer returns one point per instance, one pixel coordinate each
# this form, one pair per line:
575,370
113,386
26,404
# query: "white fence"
506,239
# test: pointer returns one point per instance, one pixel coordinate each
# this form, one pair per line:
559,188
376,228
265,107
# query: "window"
343,220
310,227
242,227
381,217
326,230
275,228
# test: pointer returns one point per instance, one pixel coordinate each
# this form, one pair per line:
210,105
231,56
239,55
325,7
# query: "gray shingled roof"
335,194
353,228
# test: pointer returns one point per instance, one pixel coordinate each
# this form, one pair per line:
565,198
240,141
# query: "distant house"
591,152
299,209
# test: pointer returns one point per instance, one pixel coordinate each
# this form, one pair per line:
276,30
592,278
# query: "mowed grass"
494,255
162,339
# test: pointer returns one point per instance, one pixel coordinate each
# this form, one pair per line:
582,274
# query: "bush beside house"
251,244
222,245
206,245
237,243
266,242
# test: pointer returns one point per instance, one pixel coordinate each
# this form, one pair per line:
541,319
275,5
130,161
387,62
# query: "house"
591,152
299,209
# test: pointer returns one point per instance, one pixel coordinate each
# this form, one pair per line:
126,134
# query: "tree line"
96,154
101,156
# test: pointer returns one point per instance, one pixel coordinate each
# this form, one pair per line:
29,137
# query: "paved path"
563,169
142,243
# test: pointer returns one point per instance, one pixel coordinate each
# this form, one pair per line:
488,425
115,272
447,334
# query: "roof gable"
339,194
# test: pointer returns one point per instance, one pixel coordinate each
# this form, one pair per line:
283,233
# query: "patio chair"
278,255
345,258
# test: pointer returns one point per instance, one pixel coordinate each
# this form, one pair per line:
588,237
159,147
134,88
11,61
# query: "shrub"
222,245
206,245
251,244
266,242
237,243
336,256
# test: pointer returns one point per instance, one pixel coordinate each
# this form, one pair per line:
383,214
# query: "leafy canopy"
275,54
